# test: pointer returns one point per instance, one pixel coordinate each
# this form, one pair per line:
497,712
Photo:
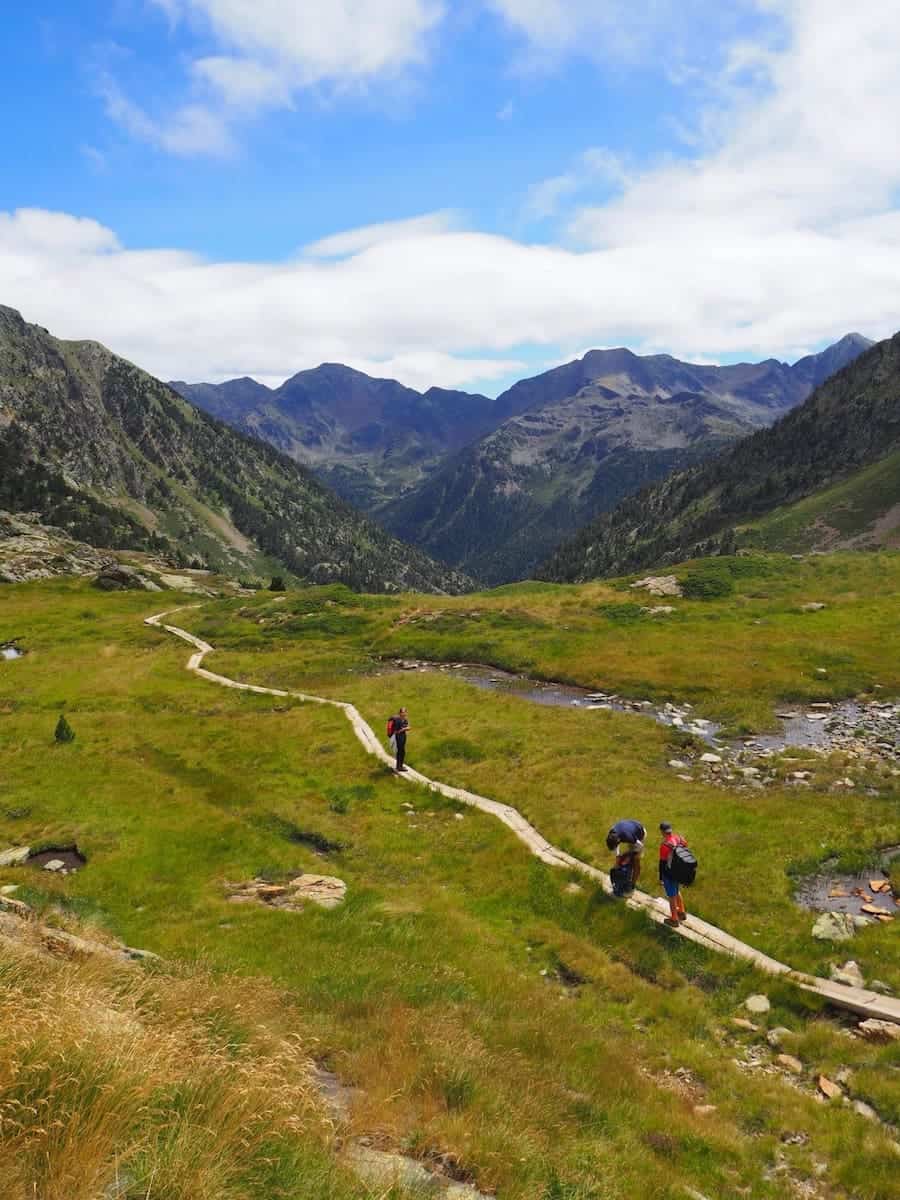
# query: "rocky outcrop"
30,550
121,578
323,890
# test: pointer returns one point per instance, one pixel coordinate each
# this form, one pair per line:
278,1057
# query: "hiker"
677,866
398,727
626,840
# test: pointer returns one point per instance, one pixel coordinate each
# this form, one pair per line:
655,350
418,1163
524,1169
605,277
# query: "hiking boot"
399,769
682,916
673,924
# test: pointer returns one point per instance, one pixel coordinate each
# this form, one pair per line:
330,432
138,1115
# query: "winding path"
858,1000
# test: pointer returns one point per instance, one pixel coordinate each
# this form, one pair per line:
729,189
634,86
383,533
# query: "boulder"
849,974
829,1090
15,856
874,1030
324,890
659,585
119,578
794,1065
775,1037
757,1004
865,1110
711,759
834,927
745,1025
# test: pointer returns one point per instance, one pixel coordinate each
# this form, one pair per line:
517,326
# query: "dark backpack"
683,866
621,880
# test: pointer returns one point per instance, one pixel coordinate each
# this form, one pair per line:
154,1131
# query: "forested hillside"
826,476
118,459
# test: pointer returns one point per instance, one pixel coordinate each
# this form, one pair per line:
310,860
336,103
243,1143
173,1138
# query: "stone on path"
757,1004
834,927
849,974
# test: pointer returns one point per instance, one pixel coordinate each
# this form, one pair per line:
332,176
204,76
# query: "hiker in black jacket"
399,730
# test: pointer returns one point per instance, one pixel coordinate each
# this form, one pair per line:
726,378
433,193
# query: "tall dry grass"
116,1082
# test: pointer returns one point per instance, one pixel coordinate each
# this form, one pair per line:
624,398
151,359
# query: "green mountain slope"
584,436
118,459
826,476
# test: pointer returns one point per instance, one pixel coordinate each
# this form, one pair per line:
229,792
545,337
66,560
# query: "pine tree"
64,731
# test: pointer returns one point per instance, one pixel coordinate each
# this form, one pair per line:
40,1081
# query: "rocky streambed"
868,730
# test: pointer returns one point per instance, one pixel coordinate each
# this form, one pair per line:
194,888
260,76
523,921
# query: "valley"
492,486
477,1003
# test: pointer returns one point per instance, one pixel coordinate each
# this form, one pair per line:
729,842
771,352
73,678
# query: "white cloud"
620,29
342,245
781,231
269,50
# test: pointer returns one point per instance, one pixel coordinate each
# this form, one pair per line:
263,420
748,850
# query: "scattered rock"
775,1037
812,606
55,864
829,1090
659,610
704,1110
677,765
794,1065
324,890
865,1110
874,1030
834,927
757,1004
9,889
849,974
877,985
386,1170
711,759
744,1024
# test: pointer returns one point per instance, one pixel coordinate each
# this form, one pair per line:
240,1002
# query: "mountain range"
826,476
118,459
493,486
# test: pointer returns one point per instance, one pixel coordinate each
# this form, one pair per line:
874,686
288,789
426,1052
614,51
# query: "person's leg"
671,890
635,869
682,912
401,751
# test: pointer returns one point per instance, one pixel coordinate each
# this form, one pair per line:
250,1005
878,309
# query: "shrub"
277,584
64,731
707,585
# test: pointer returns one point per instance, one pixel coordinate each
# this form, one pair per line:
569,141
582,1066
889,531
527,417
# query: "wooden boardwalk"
859,1000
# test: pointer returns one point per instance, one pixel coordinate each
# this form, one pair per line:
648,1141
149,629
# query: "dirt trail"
859,1000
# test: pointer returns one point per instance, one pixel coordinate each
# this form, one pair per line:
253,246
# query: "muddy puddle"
69,858
867,894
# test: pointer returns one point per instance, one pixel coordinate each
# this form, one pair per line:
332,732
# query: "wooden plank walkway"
859,1000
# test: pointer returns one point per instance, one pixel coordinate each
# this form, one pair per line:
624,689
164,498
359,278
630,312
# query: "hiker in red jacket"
671,886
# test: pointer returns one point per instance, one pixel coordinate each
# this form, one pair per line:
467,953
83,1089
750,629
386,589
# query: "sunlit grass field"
435,989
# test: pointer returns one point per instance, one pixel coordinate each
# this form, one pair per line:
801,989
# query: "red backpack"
390,727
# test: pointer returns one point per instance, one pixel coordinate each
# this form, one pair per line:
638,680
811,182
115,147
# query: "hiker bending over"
677,866
398,727
626,841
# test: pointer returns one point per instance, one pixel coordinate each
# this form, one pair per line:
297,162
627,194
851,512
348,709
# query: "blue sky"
185,180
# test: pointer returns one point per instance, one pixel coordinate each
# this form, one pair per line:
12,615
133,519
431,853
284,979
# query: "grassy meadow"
443,988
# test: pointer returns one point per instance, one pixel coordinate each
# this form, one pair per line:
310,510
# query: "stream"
821,726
